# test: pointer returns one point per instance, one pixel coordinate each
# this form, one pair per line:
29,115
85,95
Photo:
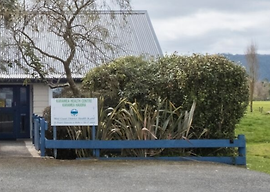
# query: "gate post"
54,138
33,128
242,149
37,133
96,152
43,126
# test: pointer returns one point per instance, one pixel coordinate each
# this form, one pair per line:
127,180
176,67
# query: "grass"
256,127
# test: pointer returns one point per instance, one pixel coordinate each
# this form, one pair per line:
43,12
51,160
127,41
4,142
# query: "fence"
41,143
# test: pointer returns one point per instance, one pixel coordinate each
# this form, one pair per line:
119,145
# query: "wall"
40,98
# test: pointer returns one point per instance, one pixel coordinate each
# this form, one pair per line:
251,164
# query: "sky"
209,26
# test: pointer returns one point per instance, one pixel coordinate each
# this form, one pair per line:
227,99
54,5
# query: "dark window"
6,97
23,96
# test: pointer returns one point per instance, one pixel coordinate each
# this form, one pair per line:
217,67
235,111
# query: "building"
19,100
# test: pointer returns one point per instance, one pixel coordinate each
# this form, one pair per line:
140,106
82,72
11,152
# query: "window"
6,97
23,96
57,92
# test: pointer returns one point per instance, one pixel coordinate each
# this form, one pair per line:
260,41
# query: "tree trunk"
252,86
251,106
253,66
74,88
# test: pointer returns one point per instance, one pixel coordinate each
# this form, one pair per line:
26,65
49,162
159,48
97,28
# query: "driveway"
43,174
17,148
21,169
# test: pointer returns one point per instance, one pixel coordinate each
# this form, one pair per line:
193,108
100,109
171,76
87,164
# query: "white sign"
74,111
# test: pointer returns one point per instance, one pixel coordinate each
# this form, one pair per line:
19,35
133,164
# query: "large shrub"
130,77
218,85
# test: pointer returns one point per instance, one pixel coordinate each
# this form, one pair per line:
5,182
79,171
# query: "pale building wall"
42,95
40,98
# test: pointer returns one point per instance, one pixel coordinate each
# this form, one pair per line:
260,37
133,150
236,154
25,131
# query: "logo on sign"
74,112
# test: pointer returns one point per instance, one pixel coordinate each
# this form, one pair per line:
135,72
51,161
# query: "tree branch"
40,50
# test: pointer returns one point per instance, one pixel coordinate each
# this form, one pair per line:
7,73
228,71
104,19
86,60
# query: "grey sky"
209,26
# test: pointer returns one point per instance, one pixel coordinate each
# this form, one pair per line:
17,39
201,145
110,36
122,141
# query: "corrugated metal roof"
134,37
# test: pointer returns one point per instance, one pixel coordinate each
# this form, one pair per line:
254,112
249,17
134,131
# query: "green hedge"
218,85
129,77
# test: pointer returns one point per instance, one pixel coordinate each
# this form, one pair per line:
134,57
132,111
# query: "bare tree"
261,91
253,67
61,37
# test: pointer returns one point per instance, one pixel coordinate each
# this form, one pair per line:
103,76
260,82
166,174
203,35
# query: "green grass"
256,127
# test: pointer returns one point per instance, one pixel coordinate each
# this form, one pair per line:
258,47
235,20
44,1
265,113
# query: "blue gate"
41,143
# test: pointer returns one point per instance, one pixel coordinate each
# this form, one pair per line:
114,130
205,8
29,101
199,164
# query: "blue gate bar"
143,144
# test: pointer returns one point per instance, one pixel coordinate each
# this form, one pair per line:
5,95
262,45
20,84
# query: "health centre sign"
74,111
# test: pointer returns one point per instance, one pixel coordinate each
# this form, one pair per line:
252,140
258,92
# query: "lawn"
256,127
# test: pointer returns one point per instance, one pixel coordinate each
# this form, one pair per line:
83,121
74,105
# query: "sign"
74,111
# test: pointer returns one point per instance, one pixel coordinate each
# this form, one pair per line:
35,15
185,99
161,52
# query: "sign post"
74,112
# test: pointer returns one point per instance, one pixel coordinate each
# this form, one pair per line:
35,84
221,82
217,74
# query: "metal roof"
135,37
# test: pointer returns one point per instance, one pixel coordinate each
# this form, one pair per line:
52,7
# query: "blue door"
14,112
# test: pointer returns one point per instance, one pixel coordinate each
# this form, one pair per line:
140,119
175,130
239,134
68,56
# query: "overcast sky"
209,26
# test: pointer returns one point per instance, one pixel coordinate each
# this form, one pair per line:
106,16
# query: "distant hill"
264,63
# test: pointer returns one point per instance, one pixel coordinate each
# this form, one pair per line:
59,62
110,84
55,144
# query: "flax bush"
103,131
130,121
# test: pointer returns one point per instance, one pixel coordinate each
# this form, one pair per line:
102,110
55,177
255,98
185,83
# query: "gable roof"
135,37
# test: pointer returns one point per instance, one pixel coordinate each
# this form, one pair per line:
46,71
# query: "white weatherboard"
74,111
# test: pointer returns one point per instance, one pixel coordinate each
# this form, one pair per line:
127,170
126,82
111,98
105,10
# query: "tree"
253,67
262,90
7,10
72,27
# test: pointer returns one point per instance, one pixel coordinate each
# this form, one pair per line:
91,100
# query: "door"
14,112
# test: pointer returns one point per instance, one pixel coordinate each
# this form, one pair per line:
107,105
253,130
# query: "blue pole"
94,138
42,137
242,150
37,134
96,152
33,129
54,138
